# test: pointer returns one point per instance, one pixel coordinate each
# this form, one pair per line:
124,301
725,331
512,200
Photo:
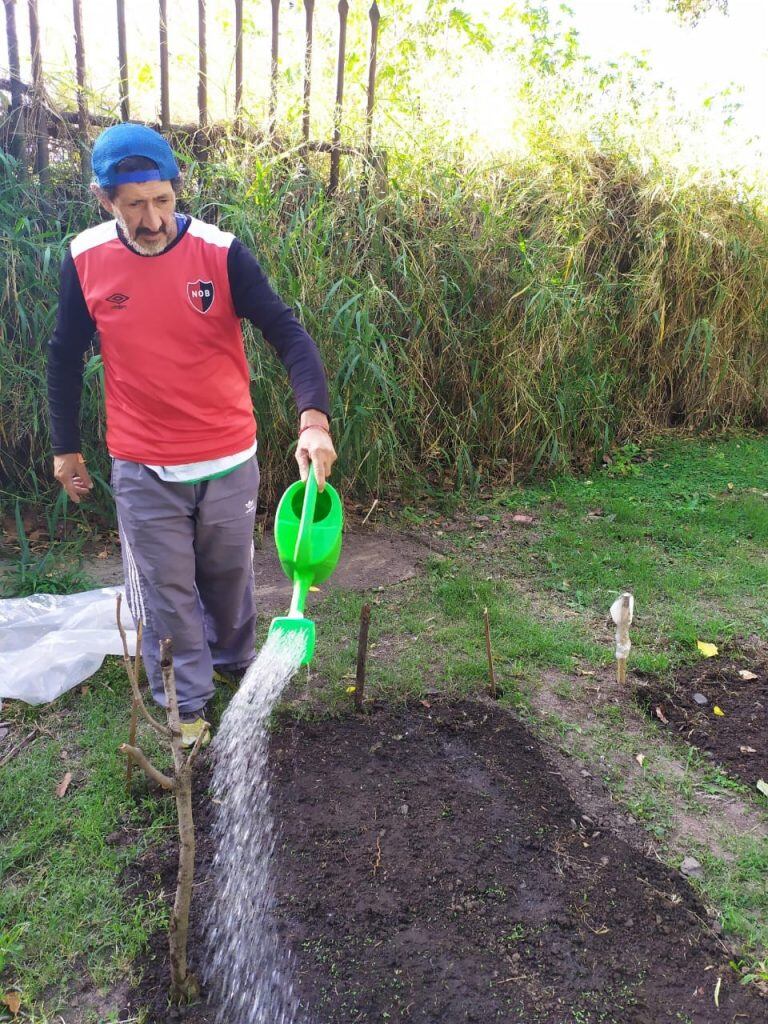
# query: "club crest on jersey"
200,294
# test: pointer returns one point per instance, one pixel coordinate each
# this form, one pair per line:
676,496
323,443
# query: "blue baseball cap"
127,139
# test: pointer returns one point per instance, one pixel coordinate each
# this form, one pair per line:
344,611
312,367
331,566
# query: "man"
166,293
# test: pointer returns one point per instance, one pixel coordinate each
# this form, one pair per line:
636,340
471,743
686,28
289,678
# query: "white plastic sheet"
51,642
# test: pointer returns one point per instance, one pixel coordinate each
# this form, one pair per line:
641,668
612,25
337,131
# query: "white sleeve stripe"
210,233
89,239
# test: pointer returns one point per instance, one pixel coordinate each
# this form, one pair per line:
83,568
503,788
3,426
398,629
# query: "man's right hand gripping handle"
71,473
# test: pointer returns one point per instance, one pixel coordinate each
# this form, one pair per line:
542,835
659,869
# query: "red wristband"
314,426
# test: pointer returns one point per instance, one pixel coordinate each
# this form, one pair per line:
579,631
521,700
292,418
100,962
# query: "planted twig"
134,708
159,728
184,985
493,688
370,511
362,654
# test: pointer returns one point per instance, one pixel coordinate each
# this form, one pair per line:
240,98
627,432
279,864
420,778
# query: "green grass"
685,533
66,907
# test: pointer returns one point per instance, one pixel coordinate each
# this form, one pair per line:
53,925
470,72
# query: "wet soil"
738,739
433,867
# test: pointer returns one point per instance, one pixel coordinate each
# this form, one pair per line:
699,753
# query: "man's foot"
232,676
192,725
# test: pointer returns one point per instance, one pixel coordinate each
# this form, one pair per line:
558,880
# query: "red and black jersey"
175,372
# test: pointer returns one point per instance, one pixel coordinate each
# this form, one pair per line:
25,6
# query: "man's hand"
315,446
71,473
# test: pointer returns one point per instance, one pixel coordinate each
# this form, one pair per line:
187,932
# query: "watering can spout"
308,527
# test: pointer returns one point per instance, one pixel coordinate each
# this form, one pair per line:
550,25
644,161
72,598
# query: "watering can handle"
303,552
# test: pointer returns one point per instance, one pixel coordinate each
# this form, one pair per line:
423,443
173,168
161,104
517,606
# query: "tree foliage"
690,12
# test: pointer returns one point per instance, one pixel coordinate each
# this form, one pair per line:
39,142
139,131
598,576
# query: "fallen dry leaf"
747,750
718,711
746,674
13,1001
661,716
63,786
707,649
85,690
762,786
640,758
425,704
103,554
584,672
522,517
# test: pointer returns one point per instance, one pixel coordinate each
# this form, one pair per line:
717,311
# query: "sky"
722,52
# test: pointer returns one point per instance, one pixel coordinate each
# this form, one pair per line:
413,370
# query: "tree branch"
160,729
146,766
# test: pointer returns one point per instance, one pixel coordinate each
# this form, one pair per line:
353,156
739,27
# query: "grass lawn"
683,525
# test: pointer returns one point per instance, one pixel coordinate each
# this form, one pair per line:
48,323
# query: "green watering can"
308,526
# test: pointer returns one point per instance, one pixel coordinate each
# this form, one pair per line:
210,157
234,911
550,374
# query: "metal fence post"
82,102
165,106
17,139
335,154
122,50
38,93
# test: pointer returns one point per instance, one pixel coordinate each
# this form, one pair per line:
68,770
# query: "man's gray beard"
150,249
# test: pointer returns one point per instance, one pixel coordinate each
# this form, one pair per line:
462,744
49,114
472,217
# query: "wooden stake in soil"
362,654
622,611
493,689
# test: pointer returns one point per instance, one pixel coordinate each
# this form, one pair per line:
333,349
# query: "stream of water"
246,971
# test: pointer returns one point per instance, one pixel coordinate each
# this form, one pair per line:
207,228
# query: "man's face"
144,210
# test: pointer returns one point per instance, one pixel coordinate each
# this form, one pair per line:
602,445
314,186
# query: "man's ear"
101,195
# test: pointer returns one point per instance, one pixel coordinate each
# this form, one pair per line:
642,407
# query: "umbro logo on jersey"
117,300
201,295
250,505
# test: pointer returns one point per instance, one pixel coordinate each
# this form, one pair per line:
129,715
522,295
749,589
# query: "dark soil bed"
738,739
433,868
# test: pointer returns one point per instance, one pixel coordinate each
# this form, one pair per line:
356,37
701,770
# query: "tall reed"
531,313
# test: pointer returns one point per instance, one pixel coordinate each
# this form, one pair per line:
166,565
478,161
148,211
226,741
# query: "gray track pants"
188,562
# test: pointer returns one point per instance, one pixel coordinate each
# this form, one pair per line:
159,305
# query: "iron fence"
31,124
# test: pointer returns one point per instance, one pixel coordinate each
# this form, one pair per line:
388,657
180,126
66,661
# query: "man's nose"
153,221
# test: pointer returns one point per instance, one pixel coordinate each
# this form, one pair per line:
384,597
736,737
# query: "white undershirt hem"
200,470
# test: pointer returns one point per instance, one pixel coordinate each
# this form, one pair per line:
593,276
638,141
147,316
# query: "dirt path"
371,559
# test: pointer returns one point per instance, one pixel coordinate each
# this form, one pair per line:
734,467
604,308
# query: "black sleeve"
254,299
71,338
